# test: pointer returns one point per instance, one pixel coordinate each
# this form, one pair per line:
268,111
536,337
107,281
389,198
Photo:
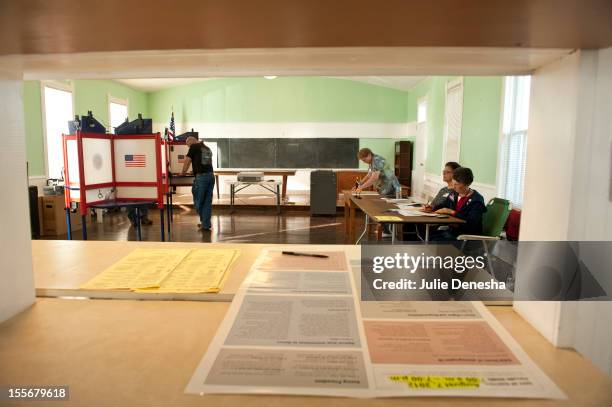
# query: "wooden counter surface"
62,266
143,353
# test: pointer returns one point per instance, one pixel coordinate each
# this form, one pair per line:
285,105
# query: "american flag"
172,130
135,160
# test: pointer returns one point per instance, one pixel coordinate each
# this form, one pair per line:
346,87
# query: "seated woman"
463,203
436,202
447,177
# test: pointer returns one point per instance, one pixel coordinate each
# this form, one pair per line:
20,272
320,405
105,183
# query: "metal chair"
493,222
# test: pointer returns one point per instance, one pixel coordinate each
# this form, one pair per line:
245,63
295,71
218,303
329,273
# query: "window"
422,111
117,112
514,138
58,111
453,120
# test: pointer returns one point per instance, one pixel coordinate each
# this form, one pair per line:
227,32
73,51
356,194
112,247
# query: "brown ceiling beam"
69,26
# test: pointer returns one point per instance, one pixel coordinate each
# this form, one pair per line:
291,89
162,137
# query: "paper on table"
388,218
306,344
436,343
202,271
142,268
289,368
275,260
300,282
301,321
455,310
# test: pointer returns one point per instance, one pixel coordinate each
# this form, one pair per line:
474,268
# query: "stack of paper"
202,271
167,271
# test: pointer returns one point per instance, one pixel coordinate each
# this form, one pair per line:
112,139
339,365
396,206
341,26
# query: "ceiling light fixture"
270,76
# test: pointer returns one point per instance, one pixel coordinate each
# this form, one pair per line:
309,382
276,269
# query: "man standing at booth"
200,157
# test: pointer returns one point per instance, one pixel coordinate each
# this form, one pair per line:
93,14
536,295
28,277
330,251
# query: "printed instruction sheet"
305,332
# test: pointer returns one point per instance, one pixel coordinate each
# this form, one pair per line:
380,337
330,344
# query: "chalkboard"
338,152
297,153
286,152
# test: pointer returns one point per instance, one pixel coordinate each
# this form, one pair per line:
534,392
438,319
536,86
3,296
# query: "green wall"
290,99
88,95
480,124
282,100
301,99
480,127
35,149
93,95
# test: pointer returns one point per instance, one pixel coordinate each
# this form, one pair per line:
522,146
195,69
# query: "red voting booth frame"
161,184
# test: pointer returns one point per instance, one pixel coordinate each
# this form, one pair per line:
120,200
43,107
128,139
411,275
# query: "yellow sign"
388,219
437,382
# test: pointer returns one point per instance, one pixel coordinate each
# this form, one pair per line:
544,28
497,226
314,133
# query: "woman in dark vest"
463,203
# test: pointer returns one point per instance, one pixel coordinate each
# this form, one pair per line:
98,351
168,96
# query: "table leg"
427,232
84,226
138,232
232,192
393,233
99,215
217,186
352,220
346,219
68,224
284,187
278,198
162,223
169,214
365,229
171,206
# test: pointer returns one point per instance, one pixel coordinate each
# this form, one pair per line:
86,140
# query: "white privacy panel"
164,158
137,192
75,194
135,160
177,158
97,161
100,194
73,161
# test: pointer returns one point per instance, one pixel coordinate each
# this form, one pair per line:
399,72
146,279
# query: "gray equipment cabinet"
322,193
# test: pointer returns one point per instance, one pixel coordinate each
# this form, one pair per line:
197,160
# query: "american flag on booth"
171,131
135,160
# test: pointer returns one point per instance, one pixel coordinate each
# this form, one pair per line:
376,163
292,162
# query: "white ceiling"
394,82
156,84
376,62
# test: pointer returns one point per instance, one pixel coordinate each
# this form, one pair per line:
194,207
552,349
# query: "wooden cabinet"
345,179
403,163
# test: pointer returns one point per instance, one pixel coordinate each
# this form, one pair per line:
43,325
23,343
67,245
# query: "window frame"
449,85
505,139
57,85
423,99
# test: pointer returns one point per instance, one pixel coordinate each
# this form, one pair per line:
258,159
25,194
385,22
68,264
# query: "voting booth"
107,168
177,151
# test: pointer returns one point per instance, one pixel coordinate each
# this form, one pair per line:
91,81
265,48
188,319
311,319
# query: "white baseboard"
296,130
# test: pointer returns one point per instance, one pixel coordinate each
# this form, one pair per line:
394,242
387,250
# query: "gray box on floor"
322,193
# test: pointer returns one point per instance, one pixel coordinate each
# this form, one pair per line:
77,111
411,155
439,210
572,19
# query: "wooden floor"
244,225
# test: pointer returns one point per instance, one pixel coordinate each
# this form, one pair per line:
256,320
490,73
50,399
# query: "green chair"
493,220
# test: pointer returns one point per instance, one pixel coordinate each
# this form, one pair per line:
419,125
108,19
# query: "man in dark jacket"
463,203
